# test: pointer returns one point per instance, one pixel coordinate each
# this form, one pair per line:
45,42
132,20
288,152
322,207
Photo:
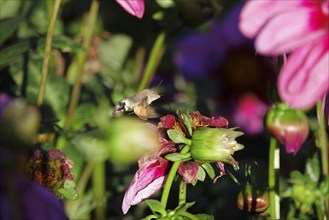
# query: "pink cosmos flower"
133,7
299,27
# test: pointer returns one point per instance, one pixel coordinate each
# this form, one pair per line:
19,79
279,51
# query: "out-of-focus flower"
289,126
253,201
224,56
149,179
50,170
32,201
215,144
250,113
298,27
133,7
129,139
19,122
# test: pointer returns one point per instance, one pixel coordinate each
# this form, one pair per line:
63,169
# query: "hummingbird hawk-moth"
139,103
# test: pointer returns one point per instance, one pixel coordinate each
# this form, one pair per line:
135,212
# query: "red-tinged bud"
253,201
289,126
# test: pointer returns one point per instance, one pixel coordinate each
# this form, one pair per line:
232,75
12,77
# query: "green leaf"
187,122
205,217
312,170
156,207
178,157
114,51
150,217
9,8
183,207
324,187
69,193
201,175
92,148
209,169
296,177
13,53
177,137
8,27
69,184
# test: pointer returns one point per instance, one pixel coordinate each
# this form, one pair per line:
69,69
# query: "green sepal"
188,123
201,175
178,157
177,137
209,169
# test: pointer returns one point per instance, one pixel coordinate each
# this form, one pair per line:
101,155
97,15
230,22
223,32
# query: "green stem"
323,145
81,58
72,207
171,177
182,192
322,139
273,180
153,61
98,184
44,72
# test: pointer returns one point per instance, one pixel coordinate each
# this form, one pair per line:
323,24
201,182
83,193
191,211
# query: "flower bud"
19,124
289,126
129,139
253,201
215,144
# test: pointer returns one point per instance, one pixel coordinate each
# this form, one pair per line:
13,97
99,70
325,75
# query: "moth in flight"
139,103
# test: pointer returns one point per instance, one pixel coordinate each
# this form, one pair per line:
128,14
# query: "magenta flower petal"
305,77
287,31
148,180
255,14
133,7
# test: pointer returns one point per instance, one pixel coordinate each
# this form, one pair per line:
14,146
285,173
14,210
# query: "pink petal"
256,13
147,180
133,7
305,77
152,188
287,31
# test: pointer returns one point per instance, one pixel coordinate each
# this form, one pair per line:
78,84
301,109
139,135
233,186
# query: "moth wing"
151,113
141,112
144,111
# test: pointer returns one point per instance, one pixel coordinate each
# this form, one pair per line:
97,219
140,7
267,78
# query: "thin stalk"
322,139
273,180
72,207
170,178
323,145
153,61
81,57
182,192
44,72
98,182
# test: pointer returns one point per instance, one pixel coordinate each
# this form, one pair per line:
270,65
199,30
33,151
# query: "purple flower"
33,201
